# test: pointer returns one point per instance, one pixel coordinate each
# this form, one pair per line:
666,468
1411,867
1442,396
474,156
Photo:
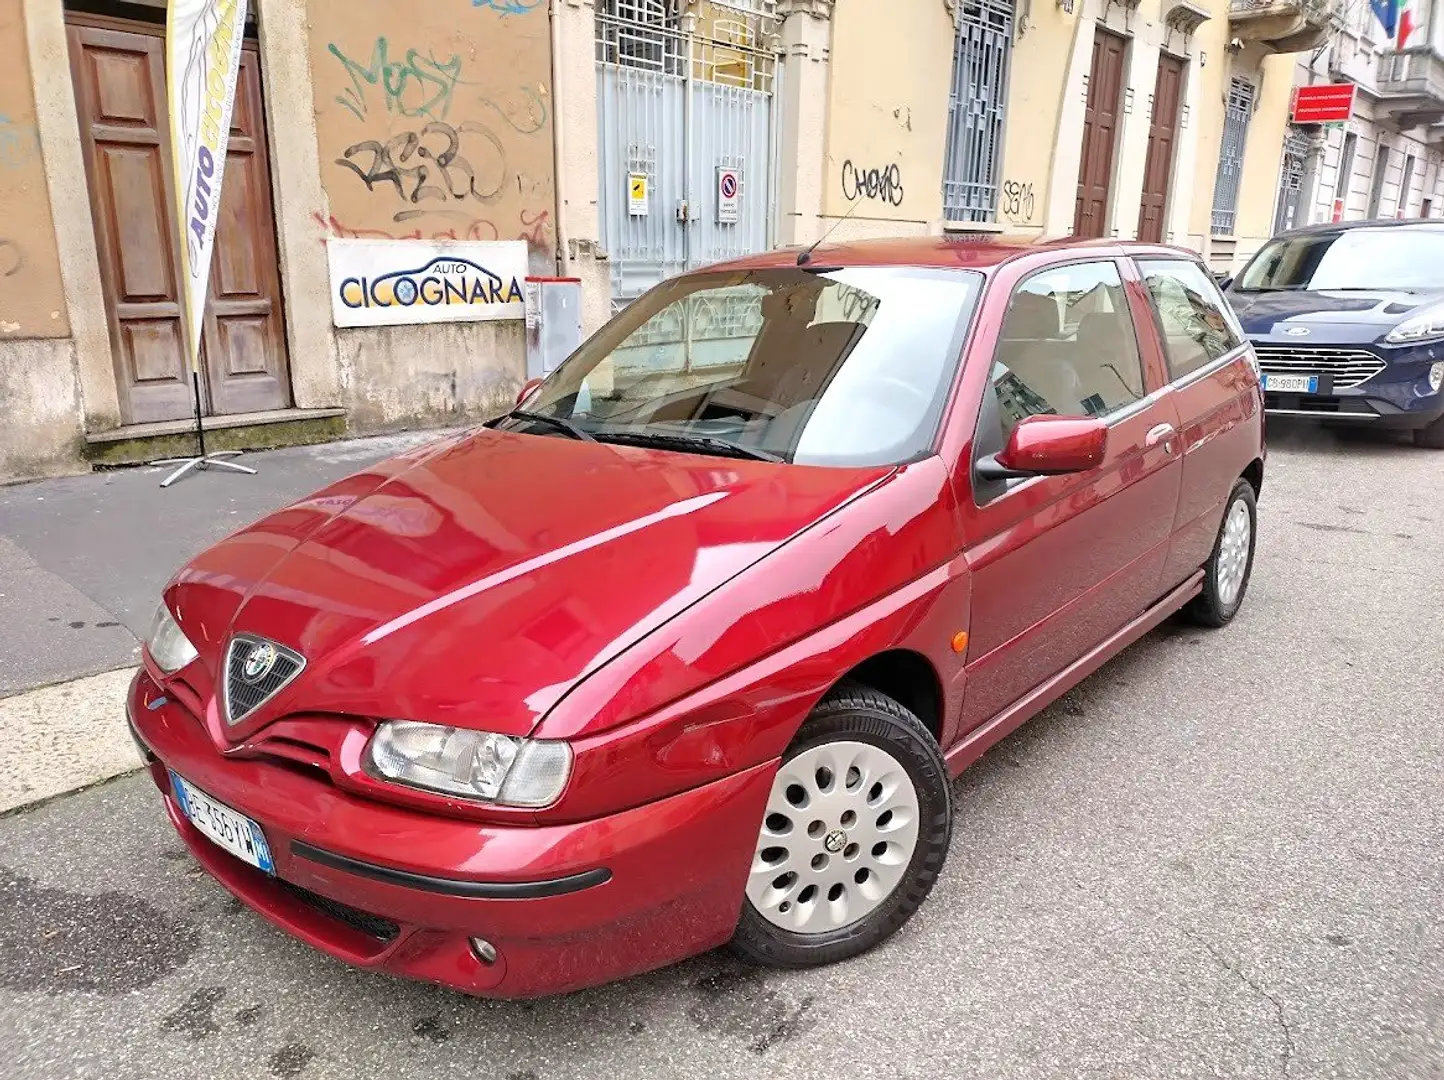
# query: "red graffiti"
534,231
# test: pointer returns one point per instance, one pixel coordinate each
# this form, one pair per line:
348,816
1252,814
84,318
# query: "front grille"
1349,367
373,926
256,671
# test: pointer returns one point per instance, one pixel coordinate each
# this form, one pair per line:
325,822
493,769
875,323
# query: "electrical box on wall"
553,322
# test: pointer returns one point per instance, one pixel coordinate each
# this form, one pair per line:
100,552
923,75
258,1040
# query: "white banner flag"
203,62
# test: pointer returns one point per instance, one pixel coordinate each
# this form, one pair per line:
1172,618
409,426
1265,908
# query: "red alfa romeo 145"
686,649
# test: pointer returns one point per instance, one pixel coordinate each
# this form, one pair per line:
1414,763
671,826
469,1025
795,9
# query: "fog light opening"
1436,377
485,950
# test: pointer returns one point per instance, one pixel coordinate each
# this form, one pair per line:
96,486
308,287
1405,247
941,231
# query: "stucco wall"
433,121
887,112
1035,138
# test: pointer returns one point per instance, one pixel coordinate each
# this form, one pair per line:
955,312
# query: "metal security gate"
976,105
1236,114
1291,181
684,117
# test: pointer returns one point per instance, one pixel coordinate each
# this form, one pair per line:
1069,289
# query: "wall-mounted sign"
637,194
729,196
394,282
1325,104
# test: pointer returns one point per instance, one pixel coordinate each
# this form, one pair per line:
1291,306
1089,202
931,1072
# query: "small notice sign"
637,194
729,196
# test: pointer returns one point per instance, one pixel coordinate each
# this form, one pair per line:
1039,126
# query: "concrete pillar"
1185,159
801,113
575,114
1068,152
1131,149
58,128
298,198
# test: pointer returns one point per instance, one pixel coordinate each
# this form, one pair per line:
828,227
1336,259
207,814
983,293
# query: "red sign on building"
1322,104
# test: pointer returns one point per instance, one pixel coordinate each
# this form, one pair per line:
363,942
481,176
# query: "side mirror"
529,388
1049,446
1224,283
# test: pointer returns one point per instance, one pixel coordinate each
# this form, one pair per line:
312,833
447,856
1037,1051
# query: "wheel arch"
906,676
1254,475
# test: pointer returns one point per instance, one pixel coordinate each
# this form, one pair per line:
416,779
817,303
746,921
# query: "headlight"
1420,328
168,646
470,764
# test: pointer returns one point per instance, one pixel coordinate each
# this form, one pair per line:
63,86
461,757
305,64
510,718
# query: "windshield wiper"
554,422
712,443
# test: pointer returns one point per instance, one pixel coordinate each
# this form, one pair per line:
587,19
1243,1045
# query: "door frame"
1171,191
1128,41
72,16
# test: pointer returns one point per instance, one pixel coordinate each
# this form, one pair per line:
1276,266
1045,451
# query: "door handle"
1159,433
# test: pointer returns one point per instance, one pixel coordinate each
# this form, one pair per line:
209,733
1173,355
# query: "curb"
61,738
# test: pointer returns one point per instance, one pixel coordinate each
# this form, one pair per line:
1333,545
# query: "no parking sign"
729,196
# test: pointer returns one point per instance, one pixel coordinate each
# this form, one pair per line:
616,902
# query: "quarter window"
1067,347
1196,326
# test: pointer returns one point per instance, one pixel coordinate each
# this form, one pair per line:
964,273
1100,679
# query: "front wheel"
854,836
1226,574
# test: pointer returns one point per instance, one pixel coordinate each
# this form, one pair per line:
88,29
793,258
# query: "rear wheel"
854,835
1226,574
1431,436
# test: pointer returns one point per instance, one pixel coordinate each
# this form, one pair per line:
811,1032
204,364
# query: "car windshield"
827,367
1390,258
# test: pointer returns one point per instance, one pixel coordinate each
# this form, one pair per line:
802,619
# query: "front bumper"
1399,396
387,887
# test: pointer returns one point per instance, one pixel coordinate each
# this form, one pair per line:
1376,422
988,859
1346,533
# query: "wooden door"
1100,128
119,74
1162,131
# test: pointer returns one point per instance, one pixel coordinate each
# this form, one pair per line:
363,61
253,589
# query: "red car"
687,648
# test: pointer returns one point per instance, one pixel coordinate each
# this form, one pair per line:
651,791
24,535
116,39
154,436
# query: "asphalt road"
1221,856
83,558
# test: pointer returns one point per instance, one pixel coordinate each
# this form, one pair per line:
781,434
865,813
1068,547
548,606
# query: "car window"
1067,347
1194,317
843,367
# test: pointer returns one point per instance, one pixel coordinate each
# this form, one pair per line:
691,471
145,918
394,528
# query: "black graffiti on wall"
1017,201
884,184
429,165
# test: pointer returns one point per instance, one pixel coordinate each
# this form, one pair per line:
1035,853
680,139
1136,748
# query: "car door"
1059,563
1215,387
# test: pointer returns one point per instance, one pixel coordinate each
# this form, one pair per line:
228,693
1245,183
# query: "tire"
870,746
1430,436
1225,581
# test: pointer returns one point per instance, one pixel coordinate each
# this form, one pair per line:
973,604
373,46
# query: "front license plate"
1292,384
235,832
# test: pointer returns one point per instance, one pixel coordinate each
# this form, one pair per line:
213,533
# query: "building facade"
1384,161
622,141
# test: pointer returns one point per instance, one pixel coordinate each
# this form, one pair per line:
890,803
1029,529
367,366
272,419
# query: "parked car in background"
687,648
1348,324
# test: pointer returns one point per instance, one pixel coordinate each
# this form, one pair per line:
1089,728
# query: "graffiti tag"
429,165
415,86
883,184
1017,201
508,7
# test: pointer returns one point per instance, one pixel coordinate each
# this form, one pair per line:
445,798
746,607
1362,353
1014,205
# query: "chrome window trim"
254,639
1210,368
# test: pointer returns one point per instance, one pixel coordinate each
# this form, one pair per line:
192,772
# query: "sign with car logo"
395,282
1297,331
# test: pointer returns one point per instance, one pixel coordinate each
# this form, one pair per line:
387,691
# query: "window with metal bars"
976,107
1238,109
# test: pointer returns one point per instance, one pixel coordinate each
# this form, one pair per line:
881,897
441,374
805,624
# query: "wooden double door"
119,74
1101,118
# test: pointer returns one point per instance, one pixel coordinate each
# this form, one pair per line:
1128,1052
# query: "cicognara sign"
395,282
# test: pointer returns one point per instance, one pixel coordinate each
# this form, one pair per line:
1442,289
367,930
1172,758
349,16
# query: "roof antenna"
805,256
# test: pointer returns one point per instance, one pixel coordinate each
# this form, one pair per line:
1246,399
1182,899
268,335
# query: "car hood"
474,583
1330,317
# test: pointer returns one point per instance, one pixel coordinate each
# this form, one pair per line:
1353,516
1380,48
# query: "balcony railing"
1411,85
1283,25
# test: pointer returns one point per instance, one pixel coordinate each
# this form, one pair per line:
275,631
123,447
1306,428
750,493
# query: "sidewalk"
82,562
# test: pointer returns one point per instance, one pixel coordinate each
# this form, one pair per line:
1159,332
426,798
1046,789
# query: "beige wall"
887,109
1034,138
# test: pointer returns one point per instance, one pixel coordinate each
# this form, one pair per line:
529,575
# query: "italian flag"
1406,22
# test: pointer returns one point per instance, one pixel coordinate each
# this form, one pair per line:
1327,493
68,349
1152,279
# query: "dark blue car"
1348,324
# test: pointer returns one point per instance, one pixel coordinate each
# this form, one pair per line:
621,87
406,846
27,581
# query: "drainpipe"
559,187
